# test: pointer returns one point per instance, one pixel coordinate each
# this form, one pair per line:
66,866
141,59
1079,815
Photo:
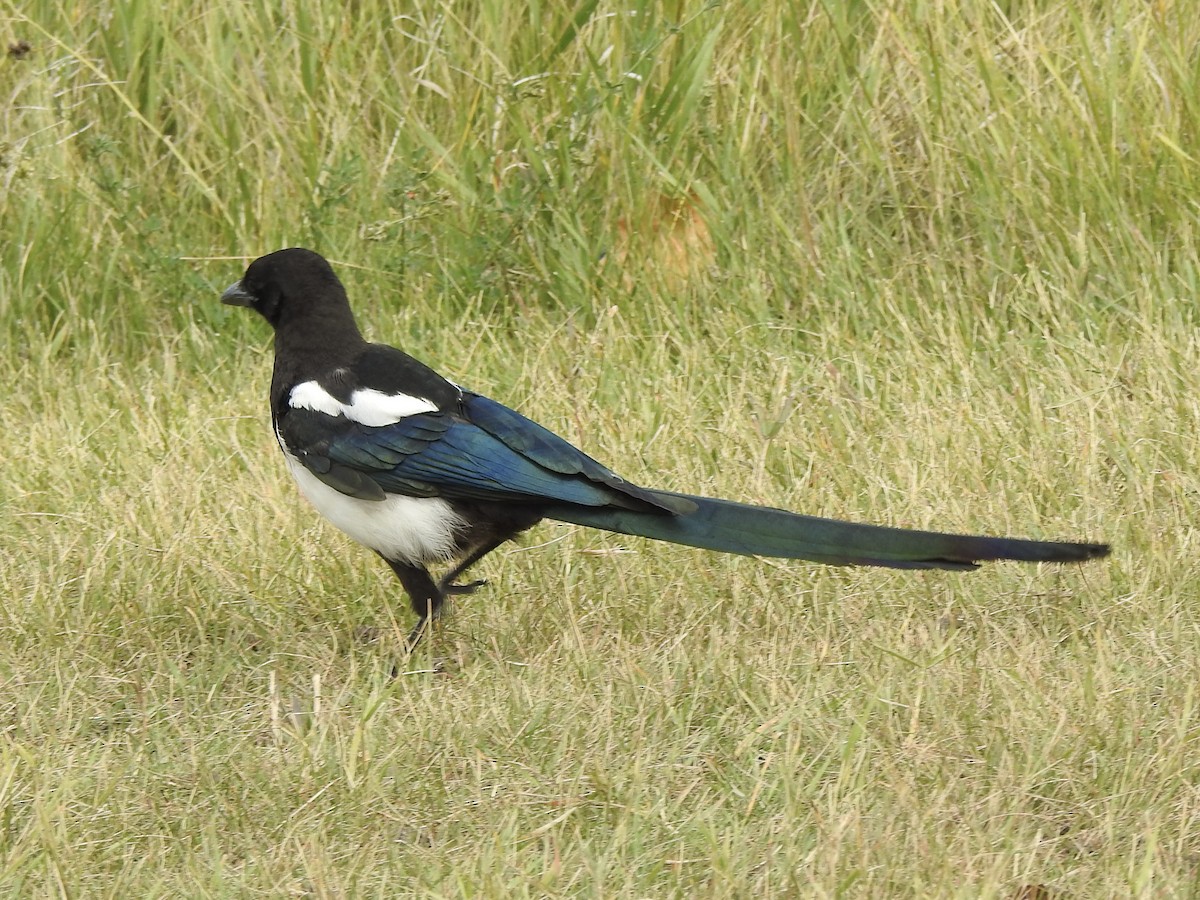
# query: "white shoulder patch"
310,395
367,406
371,407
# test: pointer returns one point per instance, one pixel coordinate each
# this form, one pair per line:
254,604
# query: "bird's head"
285,284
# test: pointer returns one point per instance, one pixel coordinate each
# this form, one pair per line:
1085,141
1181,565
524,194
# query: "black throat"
313,341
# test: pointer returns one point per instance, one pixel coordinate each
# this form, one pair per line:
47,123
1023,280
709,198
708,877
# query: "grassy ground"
929,264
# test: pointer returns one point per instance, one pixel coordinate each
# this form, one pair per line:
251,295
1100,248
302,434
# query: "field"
929,264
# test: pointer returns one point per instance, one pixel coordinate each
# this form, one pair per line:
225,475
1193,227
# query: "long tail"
763,531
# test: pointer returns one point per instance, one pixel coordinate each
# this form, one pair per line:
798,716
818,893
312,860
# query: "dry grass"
947,278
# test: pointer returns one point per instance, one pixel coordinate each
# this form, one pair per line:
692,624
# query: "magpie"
423,471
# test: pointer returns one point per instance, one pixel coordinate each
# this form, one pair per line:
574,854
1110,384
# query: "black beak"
236,295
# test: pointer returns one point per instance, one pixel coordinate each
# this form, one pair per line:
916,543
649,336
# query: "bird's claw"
469,588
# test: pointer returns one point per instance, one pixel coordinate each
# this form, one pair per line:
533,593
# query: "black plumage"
422,471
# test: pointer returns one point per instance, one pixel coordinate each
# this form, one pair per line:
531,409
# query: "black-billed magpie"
422,471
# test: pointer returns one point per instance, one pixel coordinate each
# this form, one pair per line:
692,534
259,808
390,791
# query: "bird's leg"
428,597
446,584
414,637
425,597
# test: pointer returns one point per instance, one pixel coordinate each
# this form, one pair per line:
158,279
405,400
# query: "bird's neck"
326,339
320,334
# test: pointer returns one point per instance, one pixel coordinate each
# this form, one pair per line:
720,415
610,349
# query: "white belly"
404,529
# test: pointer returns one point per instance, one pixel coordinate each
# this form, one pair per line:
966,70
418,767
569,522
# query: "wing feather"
482,451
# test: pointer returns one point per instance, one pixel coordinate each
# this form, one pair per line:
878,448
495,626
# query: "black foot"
414,636
469,588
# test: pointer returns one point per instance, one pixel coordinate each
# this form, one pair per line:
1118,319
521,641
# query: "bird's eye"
266,299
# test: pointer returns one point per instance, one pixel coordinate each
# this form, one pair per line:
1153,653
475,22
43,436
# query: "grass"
923,264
